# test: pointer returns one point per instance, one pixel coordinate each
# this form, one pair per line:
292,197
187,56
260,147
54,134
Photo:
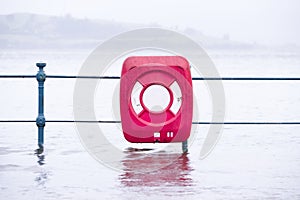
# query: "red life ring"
156,99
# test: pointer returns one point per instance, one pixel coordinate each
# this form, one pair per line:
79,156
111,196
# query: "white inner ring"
156,98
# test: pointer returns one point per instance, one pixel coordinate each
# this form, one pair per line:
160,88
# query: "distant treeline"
24,30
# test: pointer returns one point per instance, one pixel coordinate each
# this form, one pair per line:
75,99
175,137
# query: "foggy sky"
262,21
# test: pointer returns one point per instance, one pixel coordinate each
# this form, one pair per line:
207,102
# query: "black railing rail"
41,121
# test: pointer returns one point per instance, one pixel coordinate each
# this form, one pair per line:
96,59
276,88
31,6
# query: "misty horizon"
28,30
263,22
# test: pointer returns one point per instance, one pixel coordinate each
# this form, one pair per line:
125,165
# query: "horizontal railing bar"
195,78
250,123
17,76
84,77
16,121
84,121
112,122
246,78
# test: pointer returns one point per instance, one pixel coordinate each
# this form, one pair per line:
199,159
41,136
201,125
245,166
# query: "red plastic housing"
143,125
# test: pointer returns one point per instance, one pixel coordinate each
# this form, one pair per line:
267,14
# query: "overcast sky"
262,21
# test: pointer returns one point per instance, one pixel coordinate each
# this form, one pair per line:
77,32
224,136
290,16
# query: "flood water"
249,161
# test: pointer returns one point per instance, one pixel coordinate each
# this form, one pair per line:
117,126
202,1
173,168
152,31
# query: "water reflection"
40,156
42,178
42,174
156,169
41,159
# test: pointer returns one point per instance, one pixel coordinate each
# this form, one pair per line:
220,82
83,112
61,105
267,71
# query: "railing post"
185,146
40,120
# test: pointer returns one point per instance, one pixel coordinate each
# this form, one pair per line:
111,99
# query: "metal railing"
41,121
